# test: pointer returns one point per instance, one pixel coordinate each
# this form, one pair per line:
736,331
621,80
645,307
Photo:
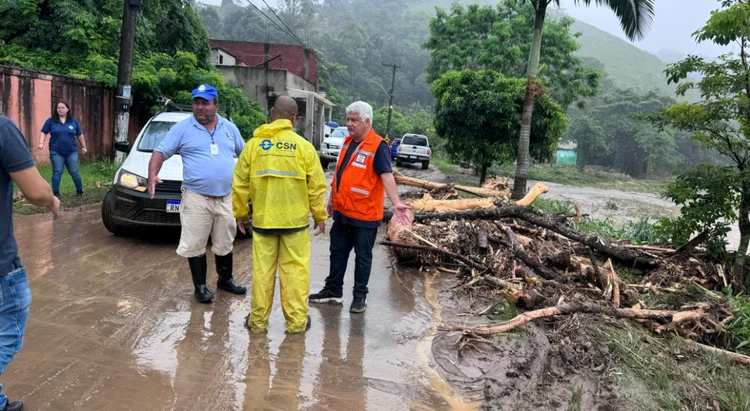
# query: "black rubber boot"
13,406
198,268
226,281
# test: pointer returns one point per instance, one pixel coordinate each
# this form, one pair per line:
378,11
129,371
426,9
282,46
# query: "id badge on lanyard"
214,146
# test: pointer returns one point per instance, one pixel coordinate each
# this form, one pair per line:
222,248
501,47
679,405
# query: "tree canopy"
499,38
82,38
720,122
479,114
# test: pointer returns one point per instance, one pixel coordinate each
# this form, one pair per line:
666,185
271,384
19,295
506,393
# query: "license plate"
412,156
173,206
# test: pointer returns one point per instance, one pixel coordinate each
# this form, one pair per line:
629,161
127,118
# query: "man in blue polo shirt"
208,145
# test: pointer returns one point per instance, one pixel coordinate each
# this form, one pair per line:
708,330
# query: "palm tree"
635,18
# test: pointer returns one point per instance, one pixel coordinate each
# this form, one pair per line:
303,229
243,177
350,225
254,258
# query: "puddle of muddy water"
456,400
113,326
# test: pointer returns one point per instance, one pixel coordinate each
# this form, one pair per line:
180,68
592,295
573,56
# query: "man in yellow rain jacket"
280,172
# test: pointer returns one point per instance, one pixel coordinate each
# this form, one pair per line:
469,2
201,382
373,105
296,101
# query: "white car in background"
331,146
414,148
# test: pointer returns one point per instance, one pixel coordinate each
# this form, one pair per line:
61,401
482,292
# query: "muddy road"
114,326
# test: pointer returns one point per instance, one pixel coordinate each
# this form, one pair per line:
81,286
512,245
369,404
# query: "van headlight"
132,181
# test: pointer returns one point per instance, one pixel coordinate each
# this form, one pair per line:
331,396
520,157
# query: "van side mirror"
122,146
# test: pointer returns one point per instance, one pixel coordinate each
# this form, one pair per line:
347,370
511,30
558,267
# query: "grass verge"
555,173
639,232
569,175
97,178
662,373
445,166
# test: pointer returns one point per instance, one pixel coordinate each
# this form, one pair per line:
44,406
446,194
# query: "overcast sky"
674,24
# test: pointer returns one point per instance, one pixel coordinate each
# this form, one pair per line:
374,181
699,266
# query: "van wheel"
324,164
398,163
109,224
425,165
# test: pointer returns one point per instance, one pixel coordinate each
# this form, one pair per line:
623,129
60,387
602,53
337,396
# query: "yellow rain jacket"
281,173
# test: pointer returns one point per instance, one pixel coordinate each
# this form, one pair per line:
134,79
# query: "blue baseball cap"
206,92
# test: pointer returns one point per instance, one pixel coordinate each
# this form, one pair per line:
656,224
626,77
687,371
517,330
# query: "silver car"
329,150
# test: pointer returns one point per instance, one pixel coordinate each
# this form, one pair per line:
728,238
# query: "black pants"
344,237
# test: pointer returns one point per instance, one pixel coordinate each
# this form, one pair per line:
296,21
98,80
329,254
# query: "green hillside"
626,65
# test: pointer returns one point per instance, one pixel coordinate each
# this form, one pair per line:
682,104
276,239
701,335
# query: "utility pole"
123,98
390,101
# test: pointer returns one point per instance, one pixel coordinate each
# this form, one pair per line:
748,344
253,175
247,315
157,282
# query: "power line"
282,22
293,36
267,18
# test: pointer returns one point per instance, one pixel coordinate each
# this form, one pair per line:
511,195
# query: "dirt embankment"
538,367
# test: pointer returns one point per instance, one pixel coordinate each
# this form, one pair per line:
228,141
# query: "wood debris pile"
537,262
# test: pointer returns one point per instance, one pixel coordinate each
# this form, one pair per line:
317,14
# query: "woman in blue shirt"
63,130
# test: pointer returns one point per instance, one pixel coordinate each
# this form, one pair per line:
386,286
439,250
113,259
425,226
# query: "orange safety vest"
361,192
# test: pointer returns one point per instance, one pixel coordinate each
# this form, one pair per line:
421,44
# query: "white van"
128,204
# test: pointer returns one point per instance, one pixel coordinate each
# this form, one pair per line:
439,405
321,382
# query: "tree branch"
574,308
522,255
626,256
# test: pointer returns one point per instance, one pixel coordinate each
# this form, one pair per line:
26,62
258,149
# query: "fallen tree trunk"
574,308
622,254
743,359
427,203
429,185
496,184
531,196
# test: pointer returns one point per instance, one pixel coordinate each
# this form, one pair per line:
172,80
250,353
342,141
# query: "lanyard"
211,133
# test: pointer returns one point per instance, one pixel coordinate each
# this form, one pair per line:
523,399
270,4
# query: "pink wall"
28,98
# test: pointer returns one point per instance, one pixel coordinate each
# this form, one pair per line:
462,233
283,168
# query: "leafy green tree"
161,75
479,112
403,120
708,197
721,120
81,38
635,17
60,34
609,134
590,138
486,38
351,38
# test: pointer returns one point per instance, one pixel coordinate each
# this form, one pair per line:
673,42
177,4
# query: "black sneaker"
358,305
56,193
325,296
79,193
13,406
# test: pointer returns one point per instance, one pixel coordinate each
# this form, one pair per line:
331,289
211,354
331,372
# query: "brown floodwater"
113,326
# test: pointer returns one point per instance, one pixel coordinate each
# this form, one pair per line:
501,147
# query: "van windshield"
414,141
154,134
340,133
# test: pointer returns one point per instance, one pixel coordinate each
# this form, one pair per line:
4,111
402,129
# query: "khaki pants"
202,216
